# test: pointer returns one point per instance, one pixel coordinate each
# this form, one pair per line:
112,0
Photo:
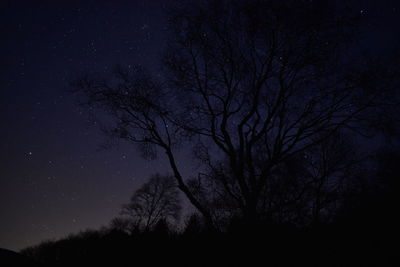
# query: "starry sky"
55,177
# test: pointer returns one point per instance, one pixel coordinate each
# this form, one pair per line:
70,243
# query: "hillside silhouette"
362,234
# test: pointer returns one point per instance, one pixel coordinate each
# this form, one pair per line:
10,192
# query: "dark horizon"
54,177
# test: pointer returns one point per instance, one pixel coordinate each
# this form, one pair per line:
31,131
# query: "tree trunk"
182,186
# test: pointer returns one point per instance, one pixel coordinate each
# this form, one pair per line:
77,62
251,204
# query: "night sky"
55,178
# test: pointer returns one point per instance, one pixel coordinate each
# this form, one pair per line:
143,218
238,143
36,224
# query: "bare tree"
250,83
158,199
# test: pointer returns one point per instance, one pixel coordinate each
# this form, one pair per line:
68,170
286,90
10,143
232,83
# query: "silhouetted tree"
158,199
251,85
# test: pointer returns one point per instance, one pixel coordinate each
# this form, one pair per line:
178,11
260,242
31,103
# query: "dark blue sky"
54,179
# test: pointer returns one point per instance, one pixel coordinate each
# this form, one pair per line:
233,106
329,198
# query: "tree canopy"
255,88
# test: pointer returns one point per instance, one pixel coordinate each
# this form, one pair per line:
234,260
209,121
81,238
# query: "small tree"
156,200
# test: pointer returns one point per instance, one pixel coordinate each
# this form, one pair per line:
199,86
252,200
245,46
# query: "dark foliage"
363,243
